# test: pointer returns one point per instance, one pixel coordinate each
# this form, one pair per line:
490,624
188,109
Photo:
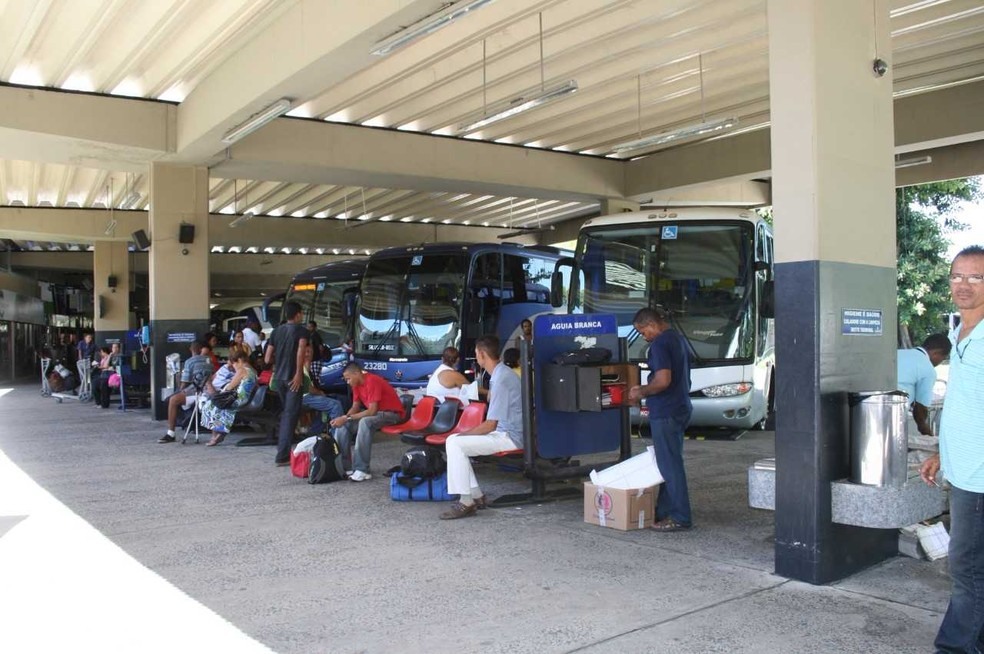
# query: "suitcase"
418,489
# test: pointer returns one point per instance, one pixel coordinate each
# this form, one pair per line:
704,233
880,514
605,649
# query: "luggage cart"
85,380
45,388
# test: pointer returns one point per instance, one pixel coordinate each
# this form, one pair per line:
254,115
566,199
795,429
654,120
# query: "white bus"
712,270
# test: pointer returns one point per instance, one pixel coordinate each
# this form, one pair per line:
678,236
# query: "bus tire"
768,422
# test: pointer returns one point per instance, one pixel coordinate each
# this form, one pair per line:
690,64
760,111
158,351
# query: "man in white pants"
501,431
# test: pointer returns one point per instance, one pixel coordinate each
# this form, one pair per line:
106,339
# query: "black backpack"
587,355
422,461
326,461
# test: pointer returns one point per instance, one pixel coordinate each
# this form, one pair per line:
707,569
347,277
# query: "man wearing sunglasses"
961,458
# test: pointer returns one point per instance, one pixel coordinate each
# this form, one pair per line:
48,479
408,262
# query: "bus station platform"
110,542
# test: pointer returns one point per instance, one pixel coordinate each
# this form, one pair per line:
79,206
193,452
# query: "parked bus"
327,295
416,301
712,270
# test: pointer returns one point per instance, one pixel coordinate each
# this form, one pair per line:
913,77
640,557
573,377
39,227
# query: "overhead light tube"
913,161
426,26
697,129
516,106
257,121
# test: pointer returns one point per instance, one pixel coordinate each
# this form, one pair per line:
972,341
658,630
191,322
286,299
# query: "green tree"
923,222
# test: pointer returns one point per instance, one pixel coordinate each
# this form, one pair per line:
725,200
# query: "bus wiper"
675,324
415,337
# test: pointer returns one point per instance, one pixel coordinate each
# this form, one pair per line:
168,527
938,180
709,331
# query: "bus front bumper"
733,412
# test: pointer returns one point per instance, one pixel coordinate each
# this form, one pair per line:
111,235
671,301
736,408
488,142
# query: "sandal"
216,439
668,524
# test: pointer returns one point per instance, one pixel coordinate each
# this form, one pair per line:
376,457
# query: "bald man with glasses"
961,458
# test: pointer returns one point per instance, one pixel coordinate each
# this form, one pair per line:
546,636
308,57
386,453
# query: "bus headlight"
727,390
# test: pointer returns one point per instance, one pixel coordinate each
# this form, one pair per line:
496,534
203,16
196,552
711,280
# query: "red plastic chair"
420,418
472,416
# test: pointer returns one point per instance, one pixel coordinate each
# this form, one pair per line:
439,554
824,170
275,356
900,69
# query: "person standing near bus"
286,351
668,399
961,458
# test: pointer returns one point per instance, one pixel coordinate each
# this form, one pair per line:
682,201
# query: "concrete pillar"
833,193
111,290
179,276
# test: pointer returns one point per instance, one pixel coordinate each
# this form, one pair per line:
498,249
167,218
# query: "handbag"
224,399
114,380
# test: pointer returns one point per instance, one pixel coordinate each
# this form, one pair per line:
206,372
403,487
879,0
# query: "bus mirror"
767,303
556,289
557,298
348,305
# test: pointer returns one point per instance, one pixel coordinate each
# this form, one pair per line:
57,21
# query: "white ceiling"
642,67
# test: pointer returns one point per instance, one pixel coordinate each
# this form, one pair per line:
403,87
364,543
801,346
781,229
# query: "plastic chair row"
432,423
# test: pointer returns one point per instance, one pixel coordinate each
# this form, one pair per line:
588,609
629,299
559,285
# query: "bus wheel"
768,421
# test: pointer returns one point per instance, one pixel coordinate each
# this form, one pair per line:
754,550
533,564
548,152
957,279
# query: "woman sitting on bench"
220,420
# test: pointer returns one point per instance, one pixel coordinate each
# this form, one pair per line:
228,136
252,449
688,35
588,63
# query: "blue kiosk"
572,405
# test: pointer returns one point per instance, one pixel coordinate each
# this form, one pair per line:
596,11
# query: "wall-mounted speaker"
186,233
111,281
141,239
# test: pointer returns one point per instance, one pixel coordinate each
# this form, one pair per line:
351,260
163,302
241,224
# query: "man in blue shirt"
502,431
668,400
962,458
917,375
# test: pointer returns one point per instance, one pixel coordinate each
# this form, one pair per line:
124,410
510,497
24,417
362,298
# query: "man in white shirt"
251,337
502,431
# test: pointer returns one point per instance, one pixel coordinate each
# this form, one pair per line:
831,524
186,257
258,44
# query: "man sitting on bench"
198,366
502,431
374,405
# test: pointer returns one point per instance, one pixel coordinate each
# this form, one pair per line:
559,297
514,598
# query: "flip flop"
668,524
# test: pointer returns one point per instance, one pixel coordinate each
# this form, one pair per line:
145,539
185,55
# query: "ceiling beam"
307,47
330,153
947,117
90,225
84,129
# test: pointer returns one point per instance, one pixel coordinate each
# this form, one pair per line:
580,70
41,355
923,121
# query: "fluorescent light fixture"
426,26
242,220
130,201
697,129
913,161
257,121
110,227
510,108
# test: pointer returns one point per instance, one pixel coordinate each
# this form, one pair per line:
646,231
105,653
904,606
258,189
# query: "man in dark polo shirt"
286,351
374,404
668,400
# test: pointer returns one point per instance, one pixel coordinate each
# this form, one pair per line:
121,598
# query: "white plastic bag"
306,445
641,471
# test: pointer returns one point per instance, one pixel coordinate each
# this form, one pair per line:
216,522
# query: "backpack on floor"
326,461
422,461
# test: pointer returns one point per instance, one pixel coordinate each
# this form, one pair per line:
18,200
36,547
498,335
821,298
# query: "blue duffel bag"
420,489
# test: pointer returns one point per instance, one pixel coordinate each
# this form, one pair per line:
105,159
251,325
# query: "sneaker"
166,439
348,473
358,475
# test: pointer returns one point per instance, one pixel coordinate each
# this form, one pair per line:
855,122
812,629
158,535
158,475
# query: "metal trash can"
879,443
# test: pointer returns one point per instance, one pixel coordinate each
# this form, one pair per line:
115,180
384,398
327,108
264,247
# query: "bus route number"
375,365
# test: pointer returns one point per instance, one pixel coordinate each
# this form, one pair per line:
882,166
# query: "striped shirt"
962,423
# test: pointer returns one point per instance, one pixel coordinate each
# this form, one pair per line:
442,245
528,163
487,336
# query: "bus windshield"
702,273
410,306
323,302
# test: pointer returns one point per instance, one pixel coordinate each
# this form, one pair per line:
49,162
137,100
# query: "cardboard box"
623,509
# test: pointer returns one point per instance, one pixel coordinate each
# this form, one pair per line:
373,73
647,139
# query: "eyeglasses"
956,278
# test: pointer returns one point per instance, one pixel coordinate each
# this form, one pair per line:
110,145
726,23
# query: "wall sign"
180,337
861,322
